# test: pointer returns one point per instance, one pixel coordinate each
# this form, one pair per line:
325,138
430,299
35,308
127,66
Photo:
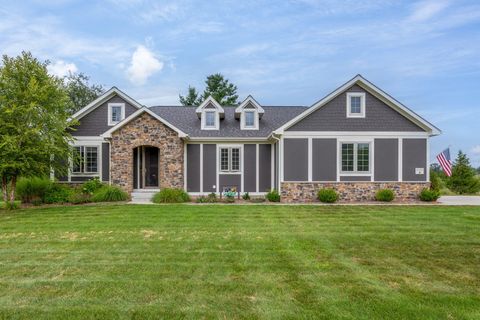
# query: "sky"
425,53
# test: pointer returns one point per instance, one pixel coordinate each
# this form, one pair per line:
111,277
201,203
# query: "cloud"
166,12
61,68
143,65
427,9
476,150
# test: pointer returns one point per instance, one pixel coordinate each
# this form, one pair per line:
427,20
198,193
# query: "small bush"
32,189
92,186
9,206
211,198
435,181
229,199
273,196
385,195
327,195
109,194
429,195
79,197
57,193
168,195
246,196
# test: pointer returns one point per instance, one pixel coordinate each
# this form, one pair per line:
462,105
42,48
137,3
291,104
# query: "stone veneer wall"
145,130
350,191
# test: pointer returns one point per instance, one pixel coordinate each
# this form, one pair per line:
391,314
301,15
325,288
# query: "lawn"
240,262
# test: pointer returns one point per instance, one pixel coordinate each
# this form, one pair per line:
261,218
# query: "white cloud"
61,68
427,9
143,65
476,150
165,12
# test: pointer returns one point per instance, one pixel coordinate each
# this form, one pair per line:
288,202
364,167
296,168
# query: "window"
210,119
249,119
355,105
116,113
85,159
355,157
229,159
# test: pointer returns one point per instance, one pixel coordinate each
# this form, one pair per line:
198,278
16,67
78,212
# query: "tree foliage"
33,121
463,179
217,86
80,91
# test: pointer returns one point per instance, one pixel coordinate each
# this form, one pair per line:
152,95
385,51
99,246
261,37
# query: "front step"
143,195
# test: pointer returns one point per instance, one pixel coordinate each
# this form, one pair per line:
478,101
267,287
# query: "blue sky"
424,53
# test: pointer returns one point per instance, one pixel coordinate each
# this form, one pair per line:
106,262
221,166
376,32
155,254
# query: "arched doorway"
146,173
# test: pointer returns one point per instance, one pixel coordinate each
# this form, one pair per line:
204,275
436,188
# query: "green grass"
240,262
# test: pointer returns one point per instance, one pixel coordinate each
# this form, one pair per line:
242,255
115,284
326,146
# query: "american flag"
444,160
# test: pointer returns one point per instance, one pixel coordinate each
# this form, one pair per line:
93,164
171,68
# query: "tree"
80,91
224,92
33,121
191,99
463,179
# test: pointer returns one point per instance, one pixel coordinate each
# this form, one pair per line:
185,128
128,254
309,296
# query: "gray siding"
324,159
265,167
332,117
249,167
229,180
386,160
414,156
355,178
193,167
106,162
296,159
209,167
96,122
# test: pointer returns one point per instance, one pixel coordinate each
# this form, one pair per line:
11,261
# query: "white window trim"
362,104
243,125
204,120
355,172
99,160
122,116
219,159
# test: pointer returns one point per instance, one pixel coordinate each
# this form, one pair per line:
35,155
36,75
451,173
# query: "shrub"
109,194
79,197
385,195
429,195
9,206
32,189
57,193
327,195
246,196
463,179
211,198
229,199
92,186
168,195
273,196
436,182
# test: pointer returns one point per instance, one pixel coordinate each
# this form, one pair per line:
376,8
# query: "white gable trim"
364,83
209,100
103,98
108,134
245,103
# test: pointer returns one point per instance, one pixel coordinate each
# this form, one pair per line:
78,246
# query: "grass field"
240,262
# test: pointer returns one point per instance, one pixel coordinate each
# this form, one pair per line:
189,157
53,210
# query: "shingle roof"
187,120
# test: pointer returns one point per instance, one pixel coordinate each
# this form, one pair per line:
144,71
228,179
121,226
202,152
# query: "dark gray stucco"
414,156
96,122
193,167
324,159
386,160
296,159
249,167
355,178
106,162
332,116
230,180
265,167
209,167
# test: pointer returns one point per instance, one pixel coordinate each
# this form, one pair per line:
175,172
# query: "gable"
332,116
95,122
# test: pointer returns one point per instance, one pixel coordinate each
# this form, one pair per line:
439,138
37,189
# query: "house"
357,139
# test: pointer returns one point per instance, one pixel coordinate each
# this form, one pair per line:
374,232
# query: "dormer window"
249,112
210,113
116,113
210,119
355,105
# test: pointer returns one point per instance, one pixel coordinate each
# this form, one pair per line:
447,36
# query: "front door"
151,167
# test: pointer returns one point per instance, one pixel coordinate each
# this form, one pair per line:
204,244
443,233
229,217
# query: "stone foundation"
350,191
145,130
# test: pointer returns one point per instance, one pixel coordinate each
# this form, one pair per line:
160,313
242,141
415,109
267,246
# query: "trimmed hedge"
273,196
327,195
109,194
385,195
168,195
429,195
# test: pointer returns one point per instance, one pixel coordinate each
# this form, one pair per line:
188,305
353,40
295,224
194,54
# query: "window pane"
249,119
116,114
235,159
363,156
91,159
224,159
77,161
210,119
347,156
355,104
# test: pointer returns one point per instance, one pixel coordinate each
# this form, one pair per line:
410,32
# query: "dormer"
249,112
210,112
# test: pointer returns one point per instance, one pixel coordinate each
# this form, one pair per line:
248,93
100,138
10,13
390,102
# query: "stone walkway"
460,200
